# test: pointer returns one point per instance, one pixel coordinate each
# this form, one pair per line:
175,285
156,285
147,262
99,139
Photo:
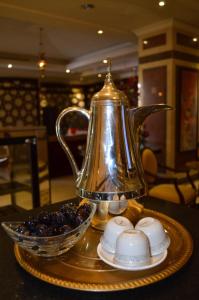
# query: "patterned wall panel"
18,102
54,98
61,96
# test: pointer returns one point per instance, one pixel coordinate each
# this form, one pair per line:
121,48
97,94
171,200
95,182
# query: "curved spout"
139,114
136,117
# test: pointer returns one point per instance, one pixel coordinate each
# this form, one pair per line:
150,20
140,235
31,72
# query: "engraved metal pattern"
80,268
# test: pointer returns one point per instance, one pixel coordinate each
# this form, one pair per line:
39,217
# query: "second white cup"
154,230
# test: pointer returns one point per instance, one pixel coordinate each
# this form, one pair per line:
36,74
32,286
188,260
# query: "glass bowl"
51,245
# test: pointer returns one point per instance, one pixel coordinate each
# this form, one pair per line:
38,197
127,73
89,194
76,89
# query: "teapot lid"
109,92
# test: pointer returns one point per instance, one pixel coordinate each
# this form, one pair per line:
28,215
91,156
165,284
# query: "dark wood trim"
186,56
169,54
186,40
154,41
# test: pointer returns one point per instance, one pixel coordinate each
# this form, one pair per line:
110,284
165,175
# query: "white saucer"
109,259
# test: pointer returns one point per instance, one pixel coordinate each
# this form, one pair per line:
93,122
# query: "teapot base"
103,213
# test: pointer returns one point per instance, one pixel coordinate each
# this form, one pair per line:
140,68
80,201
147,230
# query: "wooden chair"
170,186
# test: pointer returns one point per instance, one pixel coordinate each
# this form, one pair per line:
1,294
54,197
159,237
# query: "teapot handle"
61,139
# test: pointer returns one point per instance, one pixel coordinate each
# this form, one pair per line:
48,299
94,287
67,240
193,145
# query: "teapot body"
109,171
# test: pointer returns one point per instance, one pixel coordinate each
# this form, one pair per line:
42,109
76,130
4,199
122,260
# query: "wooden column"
168,61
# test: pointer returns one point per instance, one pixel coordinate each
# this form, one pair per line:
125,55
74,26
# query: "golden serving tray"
81,269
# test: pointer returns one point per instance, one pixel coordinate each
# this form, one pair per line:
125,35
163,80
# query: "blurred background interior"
53,55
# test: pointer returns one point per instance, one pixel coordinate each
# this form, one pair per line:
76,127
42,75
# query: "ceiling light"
79,96
74,100
100,31
10,66
195,39
43,102
67,71
145,42
105,61
161,3
99,75
42,63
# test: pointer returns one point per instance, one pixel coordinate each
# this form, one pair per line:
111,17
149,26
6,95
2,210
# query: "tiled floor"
61,189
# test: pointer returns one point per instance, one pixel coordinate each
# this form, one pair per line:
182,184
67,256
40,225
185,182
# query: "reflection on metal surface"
81,269
107,209
101,216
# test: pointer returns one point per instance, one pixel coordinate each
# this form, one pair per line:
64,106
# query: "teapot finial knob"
109,92
109,65
108,75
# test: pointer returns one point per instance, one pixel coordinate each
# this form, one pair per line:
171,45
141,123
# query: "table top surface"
15,283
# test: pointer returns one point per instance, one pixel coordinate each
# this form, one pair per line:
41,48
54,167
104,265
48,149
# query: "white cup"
132,248
112,230
158,239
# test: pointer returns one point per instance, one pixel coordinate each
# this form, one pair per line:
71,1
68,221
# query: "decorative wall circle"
7,97
2,113
23,112
28,97
15,112
29,105
9,120
29,119
18,102
8,106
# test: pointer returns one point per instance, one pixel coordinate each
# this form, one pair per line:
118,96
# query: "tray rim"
130,284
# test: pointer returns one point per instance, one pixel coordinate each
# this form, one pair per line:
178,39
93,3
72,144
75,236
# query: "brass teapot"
112,169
